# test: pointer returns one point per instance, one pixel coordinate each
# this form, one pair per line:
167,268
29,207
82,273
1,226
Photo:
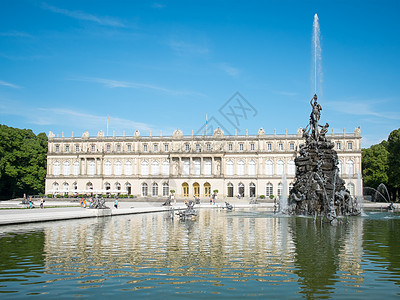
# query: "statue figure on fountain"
318,188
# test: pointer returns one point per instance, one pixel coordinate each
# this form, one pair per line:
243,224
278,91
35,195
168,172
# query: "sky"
152,66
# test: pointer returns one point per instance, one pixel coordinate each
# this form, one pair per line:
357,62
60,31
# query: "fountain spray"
317,52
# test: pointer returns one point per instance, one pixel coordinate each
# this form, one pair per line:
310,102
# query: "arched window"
350,187
117,186
165,168
207,189
107,186
145,168
55,186
165,189
207,167
66,187
107,168
241,189
128,188
280,188
340,167
280,167
269,190
240,170
252,168
197,167
292,168
92,167
230,189
229,168
252,190
76,168
269,168
144,189
67,170
185,189
118,168
89,186
75,186
128,168
56,168
155,170
155,190
350,167
186,167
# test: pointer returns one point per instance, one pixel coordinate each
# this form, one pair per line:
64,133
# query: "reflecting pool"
243,253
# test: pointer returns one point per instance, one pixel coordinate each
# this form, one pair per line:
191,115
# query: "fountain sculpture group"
318,189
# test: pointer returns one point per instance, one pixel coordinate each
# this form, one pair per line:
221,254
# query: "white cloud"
181,48
228,69
9,84
158,5
79,15
15,34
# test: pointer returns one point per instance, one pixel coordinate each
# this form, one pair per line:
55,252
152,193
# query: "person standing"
41,203
116,203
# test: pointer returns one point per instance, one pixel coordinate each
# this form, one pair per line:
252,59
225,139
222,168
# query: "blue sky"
66,66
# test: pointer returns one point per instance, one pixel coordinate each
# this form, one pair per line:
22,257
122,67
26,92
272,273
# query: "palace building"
191,165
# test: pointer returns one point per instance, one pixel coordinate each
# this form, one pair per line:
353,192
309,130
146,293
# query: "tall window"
350,146
165,168
252,146
108,148
252,168
92,168
57,148
145,168
155,189
56,168
155,147
197,167
76,148
207,167
166,147
280,146
76,168
129,147
186,167
118,168
230,147
198,147
67,170
230,189
280,167
66,187
187,147
229,168
269,146
93,148
340,167
350,168
208,146
128,168
67,148
75,186
165,189
269,190
240,147
240,167
145,148
269,168
144,189
279,189
118,148
291,168
55,186
118,186
338,146
107,168
291,146
155,168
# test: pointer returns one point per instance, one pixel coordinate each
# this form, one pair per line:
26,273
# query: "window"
280,168
128,188
165,189
186,167
187,147
350,187
166,147
66,187
118,148
129,147
76,148
350,146
208,147
67,170
280,146
165,168
56,168
107,186
269,146
207,167
350,167
292,168
118,168
67,148
252,168
57,148
155,190
128,168
144,189
269,168
279,189
229,168
107,168
155,147
74,186
93,148
145,148
252,146
198,147
291,146
118,186
338,146
241,189
197,167
340,167
230,190
92,168
230,147
240,147
108,148
145,168
155,170
55,186
89,186
269,190
76,168
240,170
252,190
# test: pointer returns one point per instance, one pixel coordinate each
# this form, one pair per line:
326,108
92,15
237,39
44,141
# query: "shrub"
271,196
49,196
130,196
262,197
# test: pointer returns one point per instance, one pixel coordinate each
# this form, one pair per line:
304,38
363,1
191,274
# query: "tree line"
381,164
23,162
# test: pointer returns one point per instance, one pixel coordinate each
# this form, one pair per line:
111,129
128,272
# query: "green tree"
393,147
375,165
23,162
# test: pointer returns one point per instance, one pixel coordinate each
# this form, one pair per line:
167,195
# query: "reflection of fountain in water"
359,196
283,200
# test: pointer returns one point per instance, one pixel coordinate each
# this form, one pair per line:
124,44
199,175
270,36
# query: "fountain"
318,189
283,200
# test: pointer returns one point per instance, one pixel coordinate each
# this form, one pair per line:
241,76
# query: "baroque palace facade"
194,165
